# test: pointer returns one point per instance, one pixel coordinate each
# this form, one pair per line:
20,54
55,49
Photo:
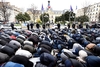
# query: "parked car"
7,26
94,25
54,26
62,26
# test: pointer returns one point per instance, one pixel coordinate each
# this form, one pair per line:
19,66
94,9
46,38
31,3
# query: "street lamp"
69,15
63,15
64,11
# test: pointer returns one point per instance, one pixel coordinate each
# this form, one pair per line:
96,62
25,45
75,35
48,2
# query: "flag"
48,5
71,9
75,11
42,8
76,7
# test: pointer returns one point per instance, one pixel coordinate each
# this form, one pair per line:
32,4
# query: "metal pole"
63,15
75,18
69,16
42,18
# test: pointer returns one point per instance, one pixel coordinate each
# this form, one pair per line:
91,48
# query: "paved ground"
34,27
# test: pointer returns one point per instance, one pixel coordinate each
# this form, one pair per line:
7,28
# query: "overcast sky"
55,4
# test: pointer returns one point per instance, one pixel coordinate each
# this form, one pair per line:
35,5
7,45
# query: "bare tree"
34,11
85,7
5,10
99,18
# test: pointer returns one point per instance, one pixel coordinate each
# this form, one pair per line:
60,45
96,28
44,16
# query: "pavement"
34,27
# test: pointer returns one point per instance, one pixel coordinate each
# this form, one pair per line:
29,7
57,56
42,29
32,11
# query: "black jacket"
76,63
21,60
48,59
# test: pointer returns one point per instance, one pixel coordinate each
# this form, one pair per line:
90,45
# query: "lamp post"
63,15
69,15
42,18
